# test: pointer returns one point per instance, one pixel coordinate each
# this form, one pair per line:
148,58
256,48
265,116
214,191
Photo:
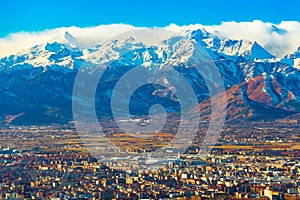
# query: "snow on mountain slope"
254,79
293,59
111,50
297,63
245,48
250,50
294,55
61,52
65,48
67,39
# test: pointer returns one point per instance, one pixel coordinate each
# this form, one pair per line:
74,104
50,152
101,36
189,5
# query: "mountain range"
36,84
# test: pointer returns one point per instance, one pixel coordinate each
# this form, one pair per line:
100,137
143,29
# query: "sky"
38,15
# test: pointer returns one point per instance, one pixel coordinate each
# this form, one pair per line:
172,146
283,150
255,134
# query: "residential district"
255,161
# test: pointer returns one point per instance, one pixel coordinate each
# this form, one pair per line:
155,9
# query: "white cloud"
18,41
89,36
279,39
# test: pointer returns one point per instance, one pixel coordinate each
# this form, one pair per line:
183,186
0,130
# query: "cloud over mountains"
279,39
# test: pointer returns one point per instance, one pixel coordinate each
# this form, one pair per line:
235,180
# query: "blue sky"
37,15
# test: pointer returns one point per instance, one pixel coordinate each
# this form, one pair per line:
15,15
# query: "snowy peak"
213,43
295,55
258,52
56,55
182,48
245,48
198,35
130,44
296,58
67,39
253,80
54,47
251,50
292,59
111,50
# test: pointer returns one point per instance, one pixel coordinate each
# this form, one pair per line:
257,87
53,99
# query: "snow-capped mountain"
57,54
245,48
293,59
38,81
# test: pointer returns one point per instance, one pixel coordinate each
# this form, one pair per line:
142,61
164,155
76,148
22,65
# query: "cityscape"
129,100
40,162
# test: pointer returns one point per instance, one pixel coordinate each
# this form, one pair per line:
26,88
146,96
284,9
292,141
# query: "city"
128,100
256,161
